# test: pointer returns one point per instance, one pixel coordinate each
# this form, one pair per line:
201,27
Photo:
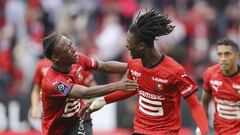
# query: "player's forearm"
198,114
112,67
117,96
205,107
205,100
92,92
35,95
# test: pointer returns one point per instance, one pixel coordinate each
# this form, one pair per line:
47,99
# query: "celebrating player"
41,69
162,81
61,91
222,82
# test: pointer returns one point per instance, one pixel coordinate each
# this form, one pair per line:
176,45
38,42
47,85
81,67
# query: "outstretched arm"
125,84
111,67
117,96
198,113
99,103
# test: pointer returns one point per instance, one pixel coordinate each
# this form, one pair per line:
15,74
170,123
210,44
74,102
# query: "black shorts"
81,127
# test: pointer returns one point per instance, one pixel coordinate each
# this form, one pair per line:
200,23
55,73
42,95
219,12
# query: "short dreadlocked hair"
150,25
49,44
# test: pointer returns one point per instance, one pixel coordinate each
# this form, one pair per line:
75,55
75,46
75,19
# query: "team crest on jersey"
238,92
62,88
159,86
236,86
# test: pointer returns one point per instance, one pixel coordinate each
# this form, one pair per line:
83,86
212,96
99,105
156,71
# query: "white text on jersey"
159,80
150,95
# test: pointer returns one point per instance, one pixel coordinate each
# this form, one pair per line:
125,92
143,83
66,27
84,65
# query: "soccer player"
222,83
162,81
61,92
41,69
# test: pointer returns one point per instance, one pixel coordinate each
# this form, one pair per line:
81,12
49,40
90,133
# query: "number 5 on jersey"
150,107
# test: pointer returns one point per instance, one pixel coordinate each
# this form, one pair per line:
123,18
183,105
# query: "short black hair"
228,42
49,44
150,25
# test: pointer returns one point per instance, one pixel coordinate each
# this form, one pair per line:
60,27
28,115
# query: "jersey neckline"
238,71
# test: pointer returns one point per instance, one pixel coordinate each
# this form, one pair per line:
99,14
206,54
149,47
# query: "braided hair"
150,25
49,44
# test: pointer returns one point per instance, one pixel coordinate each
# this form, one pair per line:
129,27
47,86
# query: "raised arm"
111,67
198,114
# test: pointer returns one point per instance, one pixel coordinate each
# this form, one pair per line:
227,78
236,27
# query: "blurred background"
98,28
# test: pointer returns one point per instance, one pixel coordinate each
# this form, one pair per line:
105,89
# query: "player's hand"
198,132
126,84
97,104
85,110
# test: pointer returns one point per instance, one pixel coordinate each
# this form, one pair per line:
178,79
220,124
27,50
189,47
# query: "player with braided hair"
162,81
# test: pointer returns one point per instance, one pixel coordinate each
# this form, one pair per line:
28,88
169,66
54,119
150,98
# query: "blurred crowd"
98,28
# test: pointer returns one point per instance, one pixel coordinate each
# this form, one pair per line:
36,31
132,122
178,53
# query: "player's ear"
54,58
141,45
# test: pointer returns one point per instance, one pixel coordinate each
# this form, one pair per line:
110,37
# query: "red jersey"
159,96
226,95
59,111
43,66
41,70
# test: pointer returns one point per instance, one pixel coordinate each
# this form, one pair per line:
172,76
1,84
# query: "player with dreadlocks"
63,86
162,81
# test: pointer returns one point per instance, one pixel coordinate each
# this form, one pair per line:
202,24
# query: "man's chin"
224,68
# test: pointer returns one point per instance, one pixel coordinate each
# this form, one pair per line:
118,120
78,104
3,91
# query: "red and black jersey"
59,111
159,96
43,66
226,95
41,70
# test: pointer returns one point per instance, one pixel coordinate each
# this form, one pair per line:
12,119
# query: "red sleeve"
119,95
87,78
57,87
38,74
198,113
185,84
206,79
89,63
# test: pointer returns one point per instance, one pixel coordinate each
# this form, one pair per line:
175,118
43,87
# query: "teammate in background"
42,68
162,81
222,82
61,92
